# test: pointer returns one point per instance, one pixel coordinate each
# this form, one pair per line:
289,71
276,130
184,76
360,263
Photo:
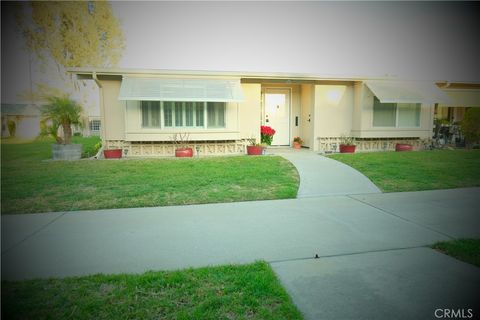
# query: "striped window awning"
168,89
407,92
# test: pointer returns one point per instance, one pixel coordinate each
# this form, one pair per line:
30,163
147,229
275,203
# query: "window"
180,114
94,125
151,114
216,114
400,115
409,114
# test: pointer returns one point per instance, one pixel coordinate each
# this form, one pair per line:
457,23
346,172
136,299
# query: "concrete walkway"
321,176
373,261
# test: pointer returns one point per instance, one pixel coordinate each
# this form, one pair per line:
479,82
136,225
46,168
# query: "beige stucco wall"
249,119
333,110
362,122
135,132
307,114
123,118
114,111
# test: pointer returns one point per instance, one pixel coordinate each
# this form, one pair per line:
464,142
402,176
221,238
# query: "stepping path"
321,176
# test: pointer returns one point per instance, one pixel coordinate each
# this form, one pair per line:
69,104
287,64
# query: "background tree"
68,34
74,34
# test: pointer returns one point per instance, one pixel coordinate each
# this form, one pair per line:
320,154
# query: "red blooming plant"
267,133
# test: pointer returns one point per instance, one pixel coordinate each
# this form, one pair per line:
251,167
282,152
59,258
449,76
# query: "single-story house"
26,119
142,109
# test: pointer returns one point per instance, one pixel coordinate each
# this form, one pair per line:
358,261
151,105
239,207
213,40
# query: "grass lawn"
467,250
31,185
414,171
228,292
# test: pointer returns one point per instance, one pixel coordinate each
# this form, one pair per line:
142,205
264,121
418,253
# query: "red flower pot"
347,148
254,150
297,145
184,152
403,147
112,153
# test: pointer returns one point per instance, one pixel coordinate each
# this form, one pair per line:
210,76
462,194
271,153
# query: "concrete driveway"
373,261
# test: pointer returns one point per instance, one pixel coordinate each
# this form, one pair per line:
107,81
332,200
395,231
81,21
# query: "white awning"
163,89
463,98
407,92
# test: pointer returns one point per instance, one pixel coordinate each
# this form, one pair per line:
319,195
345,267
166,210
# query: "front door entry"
277,114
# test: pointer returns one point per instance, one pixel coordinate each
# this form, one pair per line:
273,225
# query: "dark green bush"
470,126
12,128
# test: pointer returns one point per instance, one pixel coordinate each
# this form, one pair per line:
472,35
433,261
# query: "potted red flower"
267,134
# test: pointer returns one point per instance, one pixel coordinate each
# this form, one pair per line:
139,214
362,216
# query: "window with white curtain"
216,114
181,114
396,115
151,114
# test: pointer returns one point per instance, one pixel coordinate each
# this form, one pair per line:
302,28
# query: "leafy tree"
470,126
63,34
74,34
61,112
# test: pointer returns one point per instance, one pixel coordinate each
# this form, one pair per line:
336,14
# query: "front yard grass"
467,250
31,185
420,170
227,292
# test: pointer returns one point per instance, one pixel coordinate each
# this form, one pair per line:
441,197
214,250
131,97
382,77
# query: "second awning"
407,92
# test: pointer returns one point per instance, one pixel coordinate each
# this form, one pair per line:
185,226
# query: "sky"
410,40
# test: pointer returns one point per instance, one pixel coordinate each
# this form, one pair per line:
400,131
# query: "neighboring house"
26,118
462,96
91,127
142,109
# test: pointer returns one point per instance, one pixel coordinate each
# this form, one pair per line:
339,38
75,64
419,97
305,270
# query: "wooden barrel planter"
184,152
347,148
112,153
254,150
403,147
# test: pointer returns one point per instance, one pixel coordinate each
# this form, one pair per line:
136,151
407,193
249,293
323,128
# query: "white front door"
277,114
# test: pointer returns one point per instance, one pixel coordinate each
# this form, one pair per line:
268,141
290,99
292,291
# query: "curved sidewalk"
321,176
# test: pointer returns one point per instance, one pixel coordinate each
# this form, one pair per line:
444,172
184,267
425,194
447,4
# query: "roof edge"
90,71
237,74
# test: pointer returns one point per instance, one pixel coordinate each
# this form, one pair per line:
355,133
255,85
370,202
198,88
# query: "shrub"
12,128
470,126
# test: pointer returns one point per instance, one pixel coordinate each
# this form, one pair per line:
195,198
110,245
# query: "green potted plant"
62,112
347,144
297,143
182,149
